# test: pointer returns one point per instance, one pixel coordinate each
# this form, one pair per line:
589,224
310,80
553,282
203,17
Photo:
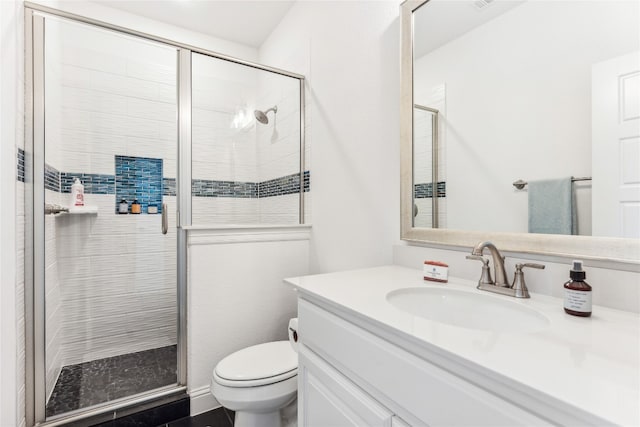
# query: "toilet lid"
273,360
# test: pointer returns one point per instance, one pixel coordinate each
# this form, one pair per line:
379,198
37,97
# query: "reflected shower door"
110,104
425,167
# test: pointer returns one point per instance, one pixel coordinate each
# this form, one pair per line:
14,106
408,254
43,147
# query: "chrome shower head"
261,116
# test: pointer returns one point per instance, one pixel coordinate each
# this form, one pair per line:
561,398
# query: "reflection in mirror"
427,209
538,91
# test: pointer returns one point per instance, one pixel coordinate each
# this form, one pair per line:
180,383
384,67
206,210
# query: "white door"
616,146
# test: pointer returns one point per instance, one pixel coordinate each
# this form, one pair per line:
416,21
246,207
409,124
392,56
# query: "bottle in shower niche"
77,193
136,208
577,292
123,207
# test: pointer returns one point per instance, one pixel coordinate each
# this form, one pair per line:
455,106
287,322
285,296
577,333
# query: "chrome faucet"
517,289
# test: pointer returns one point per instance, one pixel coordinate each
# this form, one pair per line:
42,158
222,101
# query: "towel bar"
519,184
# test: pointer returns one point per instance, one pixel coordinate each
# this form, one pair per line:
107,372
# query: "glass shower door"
110,127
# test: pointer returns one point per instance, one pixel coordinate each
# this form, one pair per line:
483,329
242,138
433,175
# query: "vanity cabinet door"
327,398
412,385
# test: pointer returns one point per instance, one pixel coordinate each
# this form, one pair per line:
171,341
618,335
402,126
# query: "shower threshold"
103,380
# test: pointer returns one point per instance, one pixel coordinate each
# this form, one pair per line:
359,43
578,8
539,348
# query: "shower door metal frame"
435,114
35,393
35,314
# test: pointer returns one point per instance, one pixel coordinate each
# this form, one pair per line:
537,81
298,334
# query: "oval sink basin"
468,310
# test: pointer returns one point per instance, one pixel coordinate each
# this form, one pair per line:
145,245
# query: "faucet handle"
479,258
530,264
519,286
485,278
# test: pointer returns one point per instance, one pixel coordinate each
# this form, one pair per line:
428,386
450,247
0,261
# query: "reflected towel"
552,207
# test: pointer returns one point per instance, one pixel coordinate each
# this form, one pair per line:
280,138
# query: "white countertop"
591,363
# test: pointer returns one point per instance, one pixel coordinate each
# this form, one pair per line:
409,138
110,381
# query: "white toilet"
256,382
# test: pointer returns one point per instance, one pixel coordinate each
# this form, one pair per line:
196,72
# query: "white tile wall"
278,142
118,282
111,279
223,210
20,301
53,300
425,212
280,209
433,98
278,145
220,90
254,153
12,320
422,146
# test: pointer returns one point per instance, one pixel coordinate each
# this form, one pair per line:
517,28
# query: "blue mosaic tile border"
20,165
289,184
236,189
425,191
169,187
93,183
51,178
139,178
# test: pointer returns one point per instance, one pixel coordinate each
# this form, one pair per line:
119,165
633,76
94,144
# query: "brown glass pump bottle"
577,292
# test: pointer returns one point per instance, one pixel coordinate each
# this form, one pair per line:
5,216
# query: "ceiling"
441,21
247,22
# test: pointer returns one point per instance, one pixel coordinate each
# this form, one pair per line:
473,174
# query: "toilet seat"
257,365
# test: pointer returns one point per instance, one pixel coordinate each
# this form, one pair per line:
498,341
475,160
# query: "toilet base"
249,419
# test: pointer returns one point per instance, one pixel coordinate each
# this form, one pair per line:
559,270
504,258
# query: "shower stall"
428,178
163,137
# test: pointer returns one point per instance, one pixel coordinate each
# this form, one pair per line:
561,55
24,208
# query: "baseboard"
202,400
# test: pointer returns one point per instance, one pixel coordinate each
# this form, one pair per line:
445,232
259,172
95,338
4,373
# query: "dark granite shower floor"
102,380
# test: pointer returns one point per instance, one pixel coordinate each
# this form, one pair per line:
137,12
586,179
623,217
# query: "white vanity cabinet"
330,399
348,376
365,361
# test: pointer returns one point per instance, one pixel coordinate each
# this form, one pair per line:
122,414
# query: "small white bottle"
77,193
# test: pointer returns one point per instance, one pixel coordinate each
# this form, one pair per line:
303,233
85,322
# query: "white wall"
237,298
11,217
612,287
519,104
349,53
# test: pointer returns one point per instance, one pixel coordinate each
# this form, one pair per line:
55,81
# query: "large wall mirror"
521,124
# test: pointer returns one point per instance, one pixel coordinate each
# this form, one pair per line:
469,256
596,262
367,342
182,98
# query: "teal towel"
552,207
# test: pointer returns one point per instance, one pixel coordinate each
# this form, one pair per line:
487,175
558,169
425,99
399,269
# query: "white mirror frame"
617,250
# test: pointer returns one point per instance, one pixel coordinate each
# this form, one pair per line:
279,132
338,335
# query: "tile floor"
102,380
220,417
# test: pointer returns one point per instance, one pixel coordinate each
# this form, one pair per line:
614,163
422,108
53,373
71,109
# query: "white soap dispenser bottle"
77,193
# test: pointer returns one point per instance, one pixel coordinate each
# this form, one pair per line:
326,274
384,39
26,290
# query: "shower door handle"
165,219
